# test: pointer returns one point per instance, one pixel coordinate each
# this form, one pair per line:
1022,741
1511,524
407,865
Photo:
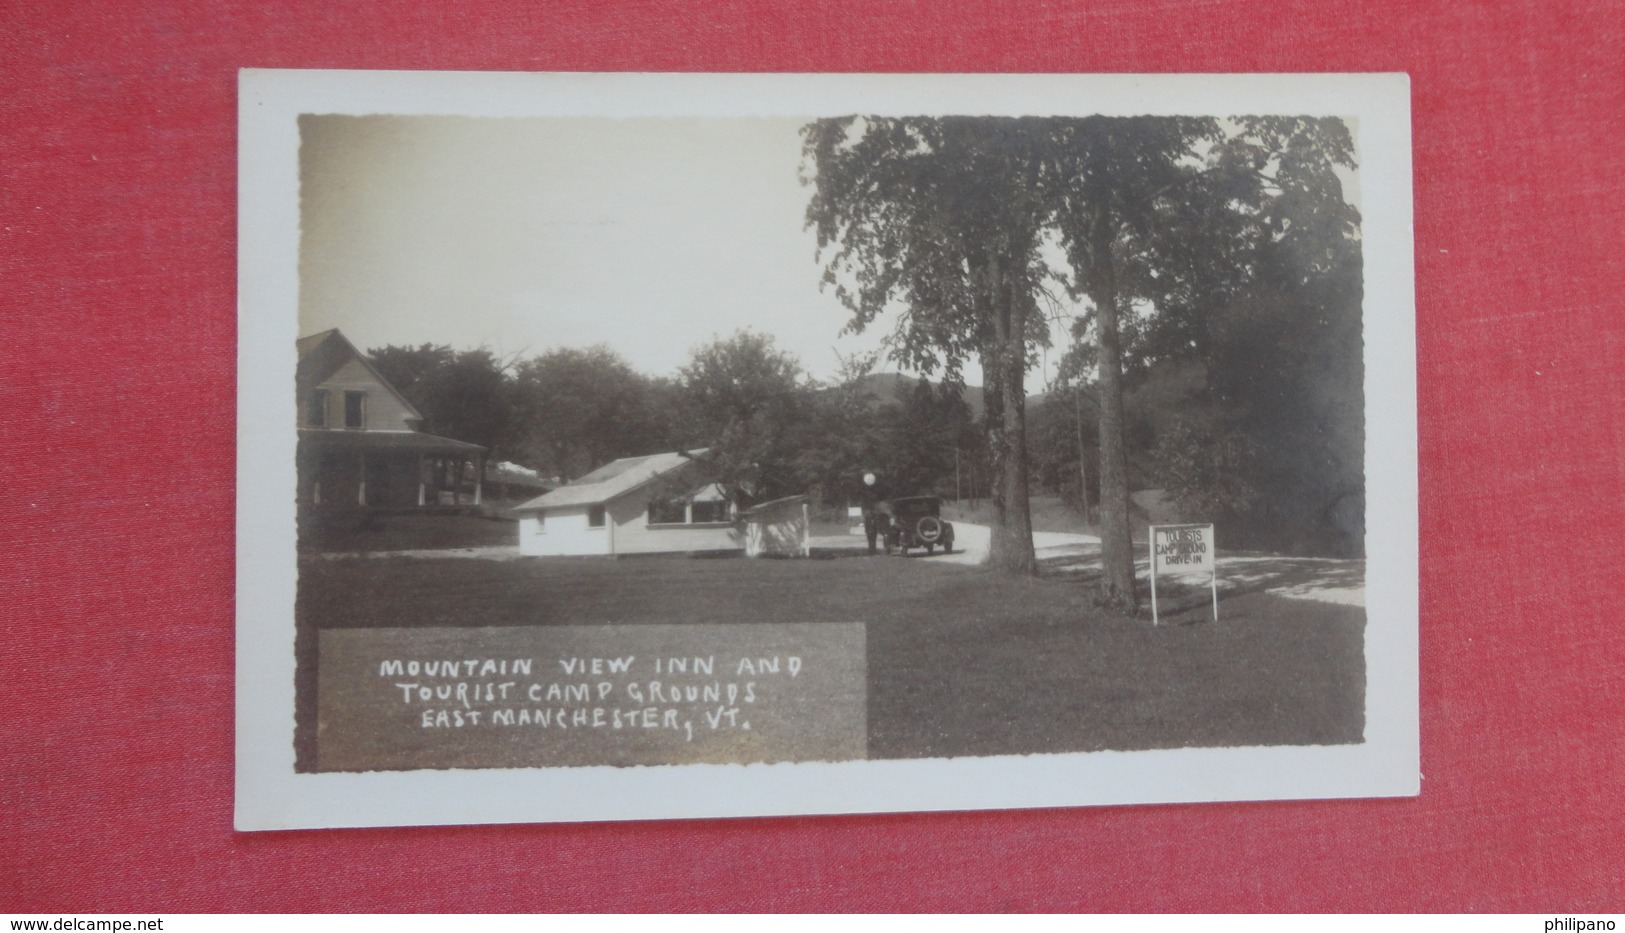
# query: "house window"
712,511
355,409
595,516
668,512
316,408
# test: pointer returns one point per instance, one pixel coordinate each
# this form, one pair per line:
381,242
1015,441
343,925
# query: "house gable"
338,389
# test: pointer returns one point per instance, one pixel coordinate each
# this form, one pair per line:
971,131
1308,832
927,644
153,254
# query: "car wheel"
929,528
930,549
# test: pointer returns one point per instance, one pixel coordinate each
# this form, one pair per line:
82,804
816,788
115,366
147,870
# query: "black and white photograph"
672,446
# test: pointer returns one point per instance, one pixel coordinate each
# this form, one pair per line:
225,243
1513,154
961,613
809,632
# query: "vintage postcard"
670,446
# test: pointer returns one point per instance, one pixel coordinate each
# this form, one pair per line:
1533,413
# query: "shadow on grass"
1238,575
357,531
1290,575
961,661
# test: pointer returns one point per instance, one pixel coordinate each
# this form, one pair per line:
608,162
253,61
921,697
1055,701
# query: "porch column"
479,475
361,478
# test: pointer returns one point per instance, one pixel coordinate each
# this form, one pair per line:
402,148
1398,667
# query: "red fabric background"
117,279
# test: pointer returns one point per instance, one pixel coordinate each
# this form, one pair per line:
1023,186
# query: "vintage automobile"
917,521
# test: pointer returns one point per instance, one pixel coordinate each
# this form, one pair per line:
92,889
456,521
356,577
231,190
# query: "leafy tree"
407,368
942,218
848,432
1263,291
1064,434
463,394
929,429
1223,242
1207,468
1114,177
581,408
747,402
1313,255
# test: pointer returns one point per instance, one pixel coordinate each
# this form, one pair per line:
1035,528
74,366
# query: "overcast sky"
650,235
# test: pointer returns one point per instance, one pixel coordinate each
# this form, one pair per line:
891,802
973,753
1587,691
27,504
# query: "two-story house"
359,443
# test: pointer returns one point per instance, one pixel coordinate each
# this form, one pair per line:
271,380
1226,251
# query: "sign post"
1183,549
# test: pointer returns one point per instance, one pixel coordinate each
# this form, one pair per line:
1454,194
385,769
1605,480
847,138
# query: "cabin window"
668,512
355,409
713,511
316,408
595,516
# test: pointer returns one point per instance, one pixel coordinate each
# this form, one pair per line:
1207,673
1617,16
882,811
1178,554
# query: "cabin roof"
611,481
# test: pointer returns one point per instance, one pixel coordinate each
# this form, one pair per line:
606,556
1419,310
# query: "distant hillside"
895,387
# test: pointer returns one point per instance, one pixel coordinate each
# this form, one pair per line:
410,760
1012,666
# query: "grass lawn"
961,661
350,532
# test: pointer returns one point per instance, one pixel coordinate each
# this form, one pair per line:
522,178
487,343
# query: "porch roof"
415,441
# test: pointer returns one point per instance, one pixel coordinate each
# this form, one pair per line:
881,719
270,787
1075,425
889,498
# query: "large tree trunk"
1012,545
1116,541
1083,463
993,429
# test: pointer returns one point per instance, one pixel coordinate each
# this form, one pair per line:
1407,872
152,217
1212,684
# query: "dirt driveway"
1320,579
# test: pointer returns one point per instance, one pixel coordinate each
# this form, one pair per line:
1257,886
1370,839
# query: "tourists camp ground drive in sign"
1183,549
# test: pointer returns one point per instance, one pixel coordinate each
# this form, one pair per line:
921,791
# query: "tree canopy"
462,394
941,219
1178,233
746,401
768,429
581,408
1215,269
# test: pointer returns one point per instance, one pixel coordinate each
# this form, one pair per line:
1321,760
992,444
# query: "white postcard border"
270,795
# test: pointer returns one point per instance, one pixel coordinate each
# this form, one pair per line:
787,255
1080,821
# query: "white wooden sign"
1183,549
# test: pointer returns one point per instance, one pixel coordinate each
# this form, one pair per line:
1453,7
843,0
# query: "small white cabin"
659,504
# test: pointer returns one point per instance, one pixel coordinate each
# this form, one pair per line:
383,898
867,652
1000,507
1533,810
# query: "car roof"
912,499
